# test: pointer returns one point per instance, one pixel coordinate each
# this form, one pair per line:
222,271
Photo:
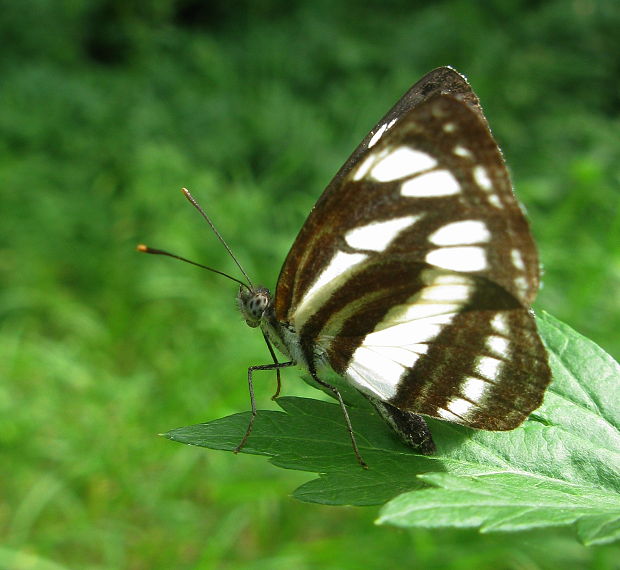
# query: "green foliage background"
106,109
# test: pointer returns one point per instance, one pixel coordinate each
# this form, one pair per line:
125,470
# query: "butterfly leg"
275,361
345,413
274,366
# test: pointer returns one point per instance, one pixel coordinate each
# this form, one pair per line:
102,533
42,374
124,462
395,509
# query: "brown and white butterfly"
413,274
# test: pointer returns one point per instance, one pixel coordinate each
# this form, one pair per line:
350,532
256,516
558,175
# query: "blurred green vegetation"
107,108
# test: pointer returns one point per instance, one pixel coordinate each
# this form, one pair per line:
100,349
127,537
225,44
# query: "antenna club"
192,200
188,195
143,248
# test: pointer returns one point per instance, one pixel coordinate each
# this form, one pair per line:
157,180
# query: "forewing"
434,189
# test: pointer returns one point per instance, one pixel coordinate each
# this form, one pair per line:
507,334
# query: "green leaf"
561,467
507,502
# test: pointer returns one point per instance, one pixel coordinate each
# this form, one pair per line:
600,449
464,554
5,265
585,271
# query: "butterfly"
413,275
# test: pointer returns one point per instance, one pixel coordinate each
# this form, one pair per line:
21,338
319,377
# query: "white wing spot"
461,151
366,165
379,235
488,367
377,136
443,294
336,272
451,293
459,406
437,183
448,415
521,283
401,162
482,178
473,389
500,324
464,232
376,372
469,258
517,259
449,127
498,345
495,201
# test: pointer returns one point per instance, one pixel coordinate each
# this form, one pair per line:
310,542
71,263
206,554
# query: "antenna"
145,249
196,205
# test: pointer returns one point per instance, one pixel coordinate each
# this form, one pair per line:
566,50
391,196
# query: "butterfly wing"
413,274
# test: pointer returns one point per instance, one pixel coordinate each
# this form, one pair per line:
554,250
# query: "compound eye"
257,306
253,303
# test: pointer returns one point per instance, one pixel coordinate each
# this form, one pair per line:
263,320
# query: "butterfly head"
253,303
